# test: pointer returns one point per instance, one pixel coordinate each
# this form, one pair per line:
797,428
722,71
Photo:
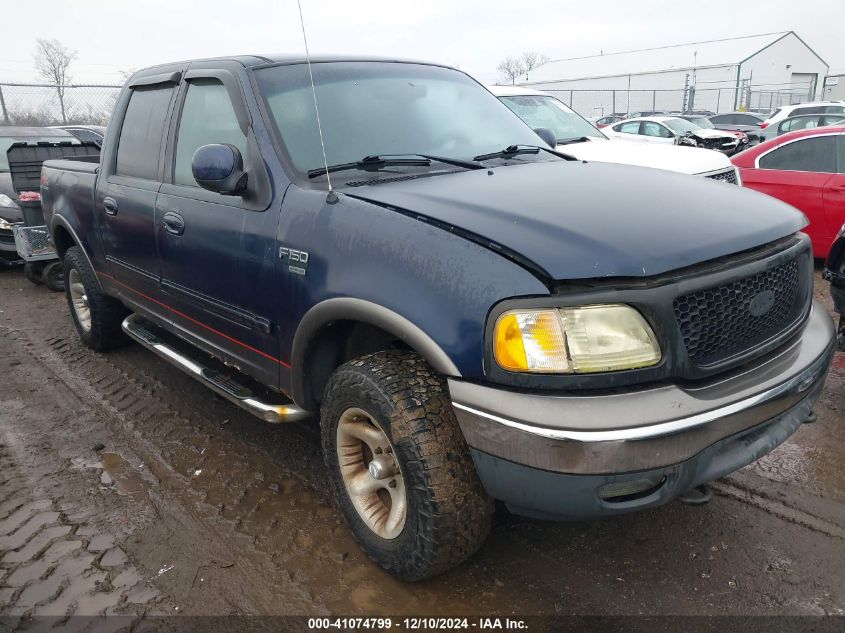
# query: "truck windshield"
387,108
546,111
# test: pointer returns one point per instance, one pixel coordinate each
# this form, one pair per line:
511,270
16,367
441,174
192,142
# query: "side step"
147,334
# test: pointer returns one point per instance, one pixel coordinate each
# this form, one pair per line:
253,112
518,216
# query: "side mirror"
547,135
219,168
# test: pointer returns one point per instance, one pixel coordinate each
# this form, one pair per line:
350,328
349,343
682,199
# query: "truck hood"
577,220
686,160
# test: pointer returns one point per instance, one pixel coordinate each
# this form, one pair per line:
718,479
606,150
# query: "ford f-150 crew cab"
472,315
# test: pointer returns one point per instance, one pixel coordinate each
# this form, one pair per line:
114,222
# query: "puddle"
116,472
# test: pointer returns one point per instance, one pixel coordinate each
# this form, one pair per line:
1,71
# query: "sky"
475,35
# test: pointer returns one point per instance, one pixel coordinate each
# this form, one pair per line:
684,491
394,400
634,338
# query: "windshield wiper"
513,150
370,163
576,139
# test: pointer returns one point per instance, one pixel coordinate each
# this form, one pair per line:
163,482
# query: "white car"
675,130
576,136
815,107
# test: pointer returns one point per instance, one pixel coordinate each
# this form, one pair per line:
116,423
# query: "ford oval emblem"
762,303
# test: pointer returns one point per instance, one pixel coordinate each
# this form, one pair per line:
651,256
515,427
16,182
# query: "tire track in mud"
788,512
299,545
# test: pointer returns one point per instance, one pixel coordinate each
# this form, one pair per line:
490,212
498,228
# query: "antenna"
332,197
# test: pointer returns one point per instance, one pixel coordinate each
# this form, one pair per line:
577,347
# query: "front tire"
96,315
400,467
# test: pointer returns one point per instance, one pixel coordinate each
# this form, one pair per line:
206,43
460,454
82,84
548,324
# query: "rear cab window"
139,145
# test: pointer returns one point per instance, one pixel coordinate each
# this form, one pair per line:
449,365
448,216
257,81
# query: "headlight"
574,340
5,225
6,201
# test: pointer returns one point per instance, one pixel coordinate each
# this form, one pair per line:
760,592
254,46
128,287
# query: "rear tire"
402,408
53,276
33,270
96,315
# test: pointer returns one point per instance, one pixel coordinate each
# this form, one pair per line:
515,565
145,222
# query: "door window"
629,128
141,133
840,153
724,119
650,128
799,123
811,154
207,117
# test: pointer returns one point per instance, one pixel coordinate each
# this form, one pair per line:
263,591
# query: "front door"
217,254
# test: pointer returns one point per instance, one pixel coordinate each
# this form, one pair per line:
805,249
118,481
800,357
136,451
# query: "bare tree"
511,68
52,61
531,60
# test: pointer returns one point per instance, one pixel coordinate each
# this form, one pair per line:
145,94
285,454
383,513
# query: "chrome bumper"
648,428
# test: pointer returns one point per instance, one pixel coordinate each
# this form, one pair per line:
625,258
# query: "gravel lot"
126,487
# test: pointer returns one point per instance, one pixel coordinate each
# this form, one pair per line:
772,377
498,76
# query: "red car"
807,170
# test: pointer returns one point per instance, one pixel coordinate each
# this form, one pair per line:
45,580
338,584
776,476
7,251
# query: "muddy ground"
126,487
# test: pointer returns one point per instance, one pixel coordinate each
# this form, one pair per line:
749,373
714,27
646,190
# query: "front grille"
724,321
728,175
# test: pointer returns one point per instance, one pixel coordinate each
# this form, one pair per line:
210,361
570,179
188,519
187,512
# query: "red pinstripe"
200,323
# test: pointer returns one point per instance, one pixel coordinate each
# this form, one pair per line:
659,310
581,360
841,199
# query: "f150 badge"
297,261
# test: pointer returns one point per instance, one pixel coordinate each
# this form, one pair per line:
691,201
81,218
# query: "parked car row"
573,134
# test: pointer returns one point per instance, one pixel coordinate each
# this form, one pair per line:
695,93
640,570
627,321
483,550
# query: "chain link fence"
598,103
45,104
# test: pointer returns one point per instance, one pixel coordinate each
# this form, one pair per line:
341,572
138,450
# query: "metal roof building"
755,71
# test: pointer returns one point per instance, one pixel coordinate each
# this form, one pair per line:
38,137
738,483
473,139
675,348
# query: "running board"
145,333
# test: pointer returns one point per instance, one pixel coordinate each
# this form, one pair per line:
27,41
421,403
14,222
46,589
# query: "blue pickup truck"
470,314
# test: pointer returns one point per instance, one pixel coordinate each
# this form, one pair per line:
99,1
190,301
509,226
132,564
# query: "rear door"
217,251
629,130
797,172
127,190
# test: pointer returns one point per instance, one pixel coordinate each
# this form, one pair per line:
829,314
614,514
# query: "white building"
754,72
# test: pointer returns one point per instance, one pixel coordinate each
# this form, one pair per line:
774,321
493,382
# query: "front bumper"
555,456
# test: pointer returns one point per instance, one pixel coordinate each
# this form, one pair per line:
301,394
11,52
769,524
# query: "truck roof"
249,61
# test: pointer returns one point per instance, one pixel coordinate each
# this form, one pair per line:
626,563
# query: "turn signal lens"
575,340
530,341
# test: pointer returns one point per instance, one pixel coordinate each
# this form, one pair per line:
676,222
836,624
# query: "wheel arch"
320,343
64,237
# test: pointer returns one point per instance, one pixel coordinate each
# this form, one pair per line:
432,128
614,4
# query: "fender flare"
59,220
351,309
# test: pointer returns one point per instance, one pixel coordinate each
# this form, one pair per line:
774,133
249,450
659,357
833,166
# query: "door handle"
110,205
174,223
